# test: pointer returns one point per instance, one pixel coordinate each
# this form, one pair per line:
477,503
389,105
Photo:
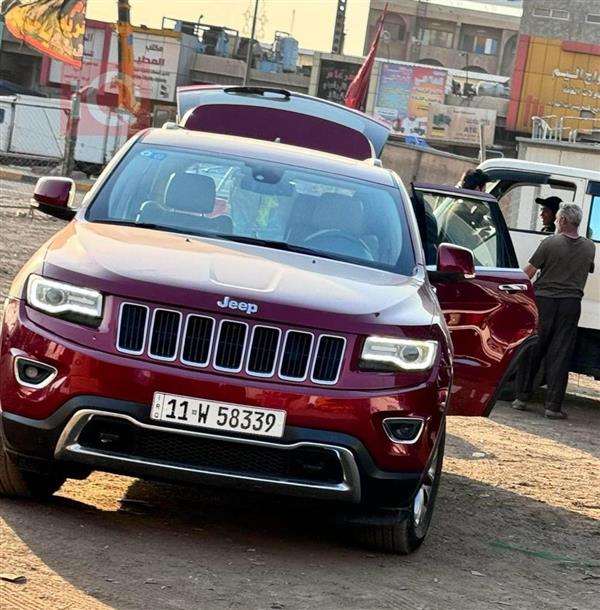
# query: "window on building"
436,38
397,31
480,44
592,18
553,13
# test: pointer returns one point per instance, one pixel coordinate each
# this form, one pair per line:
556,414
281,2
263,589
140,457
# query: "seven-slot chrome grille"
231,346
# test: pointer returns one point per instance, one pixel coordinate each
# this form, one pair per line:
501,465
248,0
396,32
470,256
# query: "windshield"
271,204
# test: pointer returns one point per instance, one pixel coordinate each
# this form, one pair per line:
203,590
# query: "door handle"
513,287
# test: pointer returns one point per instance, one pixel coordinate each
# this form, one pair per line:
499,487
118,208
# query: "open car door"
492,317
283,116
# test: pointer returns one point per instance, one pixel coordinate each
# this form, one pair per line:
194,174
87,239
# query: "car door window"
593,230
465,222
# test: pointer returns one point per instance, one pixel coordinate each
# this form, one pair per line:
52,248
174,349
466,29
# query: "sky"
310,21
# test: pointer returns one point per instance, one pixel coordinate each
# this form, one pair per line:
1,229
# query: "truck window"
519,208
593,231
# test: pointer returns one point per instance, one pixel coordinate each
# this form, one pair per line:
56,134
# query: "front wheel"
409,534
18,483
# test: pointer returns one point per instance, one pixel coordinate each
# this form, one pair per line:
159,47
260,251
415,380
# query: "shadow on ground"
171,547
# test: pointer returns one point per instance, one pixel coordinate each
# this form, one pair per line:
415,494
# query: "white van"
516,184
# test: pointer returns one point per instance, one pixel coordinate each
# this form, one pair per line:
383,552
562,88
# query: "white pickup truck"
516,184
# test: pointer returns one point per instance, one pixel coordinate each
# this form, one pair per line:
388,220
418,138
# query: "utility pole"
337,46
72,129
250,51
125,32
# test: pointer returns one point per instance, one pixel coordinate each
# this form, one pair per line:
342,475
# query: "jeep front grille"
230,345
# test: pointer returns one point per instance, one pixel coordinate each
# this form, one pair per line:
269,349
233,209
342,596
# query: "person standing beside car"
564,261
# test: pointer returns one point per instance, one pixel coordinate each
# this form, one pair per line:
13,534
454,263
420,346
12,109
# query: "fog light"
32,374
406,430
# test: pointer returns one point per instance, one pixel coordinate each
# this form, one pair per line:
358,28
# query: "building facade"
577,20
460,34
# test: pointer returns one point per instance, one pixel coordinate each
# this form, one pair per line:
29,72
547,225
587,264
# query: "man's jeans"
556,341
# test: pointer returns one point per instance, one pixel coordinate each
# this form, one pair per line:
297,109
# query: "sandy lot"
517,523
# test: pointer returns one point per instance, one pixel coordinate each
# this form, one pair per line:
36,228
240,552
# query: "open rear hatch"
283,116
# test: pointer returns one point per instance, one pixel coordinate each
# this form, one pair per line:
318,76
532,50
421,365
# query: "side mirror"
54,196
455,261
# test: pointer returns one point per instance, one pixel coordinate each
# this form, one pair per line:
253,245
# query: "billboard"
554,77
404,94
460,124
156,57
335,78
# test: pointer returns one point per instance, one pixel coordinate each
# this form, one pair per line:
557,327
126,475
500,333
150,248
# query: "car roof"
542,168
453,190
268,151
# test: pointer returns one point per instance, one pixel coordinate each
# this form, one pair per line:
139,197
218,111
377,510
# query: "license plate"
217,415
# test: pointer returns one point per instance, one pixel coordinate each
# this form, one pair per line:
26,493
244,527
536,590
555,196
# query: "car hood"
198,273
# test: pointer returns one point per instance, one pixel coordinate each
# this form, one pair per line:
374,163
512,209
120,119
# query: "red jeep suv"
228,311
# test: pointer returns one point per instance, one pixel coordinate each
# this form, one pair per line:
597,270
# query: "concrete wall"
415,164
575,28
584,156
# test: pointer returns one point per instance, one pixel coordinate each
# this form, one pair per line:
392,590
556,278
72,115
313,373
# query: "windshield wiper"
255,241
276,245
150,225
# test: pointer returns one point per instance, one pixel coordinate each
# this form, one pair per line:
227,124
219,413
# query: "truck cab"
516,184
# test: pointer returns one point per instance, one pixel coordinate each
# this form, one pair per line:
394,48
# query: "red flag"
356,96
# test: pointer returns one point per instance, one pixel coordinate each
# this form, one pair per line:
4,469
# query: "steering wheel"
338,242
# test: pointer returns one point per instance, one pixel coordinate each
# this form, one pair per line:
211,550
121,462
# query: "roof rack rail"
374,161
171,125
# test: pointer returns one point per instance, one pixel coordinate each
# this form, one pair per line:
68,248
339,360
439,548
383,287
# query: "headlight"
63,300
385,353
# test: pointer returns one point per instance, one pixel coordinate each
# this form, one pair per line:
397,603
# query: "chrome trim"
349,489
33,386
308,360
217,343
513,287
403,419
210,343
178,340
126,351
339,370
277,351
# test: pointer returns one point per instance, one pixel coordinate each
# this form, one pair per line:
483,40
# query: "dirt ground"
517,523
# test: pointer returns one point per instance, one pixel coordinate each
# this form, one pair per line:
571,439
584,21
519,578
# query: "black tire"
409,534
17,483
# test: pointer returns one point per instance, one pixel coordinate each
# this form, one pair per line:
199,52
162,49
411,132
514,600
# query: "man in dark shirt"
564,261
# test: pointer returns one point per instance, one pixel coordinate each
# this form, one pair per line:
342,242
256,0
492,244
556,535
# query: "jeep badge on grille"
228,303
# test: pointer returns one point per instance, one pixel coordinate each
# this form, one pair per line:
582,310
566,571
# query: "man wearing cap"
564,261
550,207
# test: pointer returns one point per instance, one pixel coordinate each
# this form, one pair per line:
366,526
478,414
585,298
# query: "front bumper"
339,468
42,427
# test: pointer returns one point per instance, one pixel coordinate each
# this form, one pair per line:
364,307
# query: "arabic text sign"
155,69
460,124
560,78
404,94
156,60
335,78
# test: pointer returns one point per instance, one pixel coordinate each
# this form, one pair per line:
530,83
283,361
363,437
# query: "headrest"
339,212
191,193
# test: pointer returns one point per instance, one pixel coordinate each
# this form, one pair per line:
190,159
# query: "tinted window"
234,197
465,222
